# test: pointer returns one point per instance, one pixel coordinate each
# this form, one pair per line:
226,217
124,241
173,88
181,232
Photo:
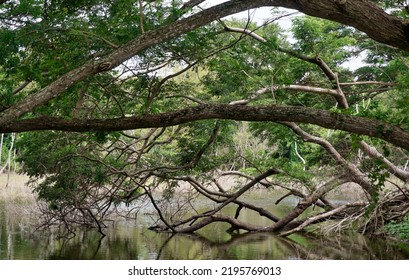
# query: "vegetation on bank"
399,229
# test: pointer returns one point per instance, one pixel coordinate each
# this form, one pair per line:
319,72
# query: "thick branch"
219,218
361,14
323,118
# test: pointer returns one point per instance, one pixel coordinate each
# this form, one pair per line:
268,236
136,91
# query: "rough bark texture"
364,15
353,124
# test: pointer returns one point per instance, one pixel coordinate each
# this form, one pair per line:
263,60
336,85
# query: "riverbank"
13,188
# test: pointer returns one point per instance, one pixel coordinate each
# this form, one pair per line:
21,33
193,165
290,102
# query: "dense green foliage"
87,174
399,229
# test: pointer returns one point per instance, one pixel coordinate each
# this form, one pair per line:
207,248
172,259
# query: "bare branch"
392,168
222,196
323,216
219,218
376,83
231,199
356,174
21,87
191,4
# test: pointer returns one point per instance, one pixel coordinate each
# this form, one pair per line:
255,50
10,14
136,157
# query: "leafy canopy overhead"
127,96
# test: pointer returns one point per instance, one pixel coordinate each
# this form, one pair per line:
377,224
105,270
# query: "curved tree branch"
219,218
221,197
230,199
356,174
323,118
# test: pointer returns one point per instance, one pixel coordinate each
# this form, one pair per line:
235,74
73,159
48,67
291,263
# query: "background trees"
129,101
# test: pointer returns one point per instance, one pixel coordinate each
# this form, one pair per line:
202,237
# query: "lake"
131,240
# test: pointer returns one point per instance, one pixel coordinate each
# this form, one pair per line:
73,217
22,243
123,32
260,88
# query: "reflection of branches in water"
164,245
235,241
353,247
74,248
250,245
311,247
300,251
98,247
222,247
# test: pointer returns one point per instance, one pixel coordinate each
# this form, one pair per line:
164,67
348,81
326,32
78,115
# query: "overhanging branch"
323,118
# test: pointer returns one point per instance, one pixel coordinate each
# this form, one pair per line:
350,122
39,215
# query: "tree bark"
323,118
1,146
364,15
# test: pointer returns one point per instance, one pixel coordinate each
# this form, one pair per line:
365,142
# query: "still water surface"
130,240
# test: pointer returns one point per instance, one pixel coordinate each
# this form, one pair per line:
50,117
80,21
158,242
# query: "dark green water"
131,240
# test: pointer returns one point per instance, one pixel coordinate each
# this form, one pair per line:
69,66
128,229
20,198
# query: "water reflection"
130,240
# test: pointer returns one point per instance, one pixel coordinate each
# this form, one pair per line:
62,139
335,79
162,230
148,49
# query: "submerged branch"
306,202
208,214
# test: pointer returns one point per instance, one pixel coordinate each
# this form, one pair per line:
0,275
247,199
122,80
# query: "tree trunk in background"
8,162
1,150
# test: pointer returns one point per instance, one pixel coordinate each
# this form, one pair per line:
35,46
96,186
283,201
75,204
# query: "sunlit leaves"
332,41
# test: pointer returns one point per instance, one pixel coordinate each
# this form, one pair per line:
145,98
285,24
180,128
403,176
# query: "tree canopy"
117,99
